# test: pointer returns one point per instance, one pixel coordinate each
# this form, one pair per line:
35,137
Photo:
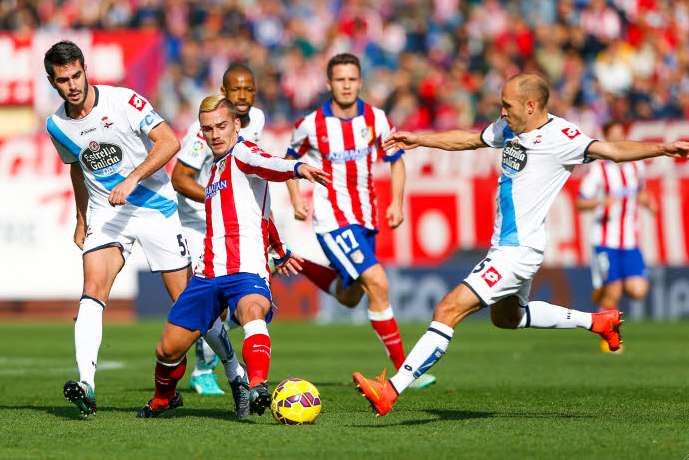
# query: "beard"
84,94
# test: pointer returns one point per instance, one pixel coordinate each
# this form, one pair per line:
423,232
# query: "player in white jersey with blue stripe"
189,178
116,145
539,151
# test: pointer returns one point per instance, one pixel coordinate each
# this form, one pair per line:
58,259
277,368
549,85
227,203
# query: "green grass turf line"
500,394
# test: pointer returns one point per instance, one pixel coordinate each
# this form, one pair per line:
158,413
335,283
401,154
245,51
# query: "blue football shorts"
204,299
351,250
609,265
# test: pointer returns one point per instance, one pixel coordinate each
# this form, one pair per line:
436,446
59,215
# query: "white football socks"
427,351
216,337
540,314
88,332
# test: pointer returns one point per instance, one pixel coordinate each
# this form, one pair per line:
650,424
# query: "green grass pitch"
500,394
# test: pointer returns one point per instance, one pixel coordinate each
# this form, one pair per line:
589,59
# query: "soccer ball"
295,402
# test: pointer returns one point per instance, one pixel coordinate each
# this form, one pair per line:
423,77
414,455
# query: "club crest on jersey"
102,159
513,157
106,122
367,134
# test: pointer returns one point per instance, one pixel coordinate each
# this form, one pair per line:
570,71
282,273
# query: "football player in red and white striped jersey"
344,137
233,271
613,192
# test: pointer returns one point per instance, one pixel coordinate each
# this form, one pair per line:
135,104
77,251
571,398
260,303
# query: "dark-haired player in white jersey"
344,137
189,178
539,151
116,145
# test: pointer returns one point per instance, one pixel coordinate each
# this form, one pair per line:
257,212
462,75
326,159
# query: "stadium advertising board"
450,206
129,58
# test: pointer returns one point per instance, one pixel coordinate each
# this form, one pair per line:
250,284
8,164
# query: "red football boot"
607,324
379,392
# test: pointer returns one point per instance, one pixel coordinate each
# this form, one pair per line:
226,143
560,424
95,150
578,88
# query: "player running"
539,151
614,192
116,145
233,270
344,137
189,178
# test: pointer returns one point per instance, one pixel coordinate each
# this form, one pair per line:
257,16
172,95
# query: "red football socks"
166,378
389,334
319,275
256,354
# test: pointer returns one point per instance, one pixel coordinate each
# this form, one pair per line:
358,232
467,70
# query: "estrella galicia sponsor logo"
86,131
102,159
513,157
215,187
347,155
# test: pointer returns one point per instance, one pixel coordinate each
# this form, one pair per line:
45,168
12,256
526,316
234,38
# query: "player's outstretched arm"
81,198
184,182
446,140
165,145
258,163
621,151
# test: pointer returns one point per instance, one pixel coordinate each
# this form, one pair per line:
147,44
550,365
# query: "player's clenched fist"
679,149
312,174
121,192
80,235
291,266
401,140
301,209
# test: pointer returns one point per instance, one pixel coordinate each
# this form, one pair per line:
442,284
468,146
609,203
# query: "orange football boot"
379,392
607,324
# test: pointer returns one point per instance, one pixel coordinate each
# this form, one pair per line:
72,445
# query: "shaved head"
532,87
525,102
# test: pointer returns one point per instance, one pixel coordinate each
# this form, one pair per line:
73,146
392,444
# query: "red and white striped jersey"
615,226
346,149
239,230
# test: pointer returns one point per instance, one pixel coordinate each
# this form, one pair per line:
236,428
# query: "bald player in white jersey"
189,178
116,146
539,151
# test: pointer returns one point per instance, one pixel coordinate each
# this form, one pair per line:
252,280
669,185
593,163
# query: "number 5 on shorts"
182,245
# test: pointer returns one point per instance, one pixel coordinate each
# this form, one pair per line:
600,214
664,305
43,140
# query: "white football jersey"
535,167
196,154
109,143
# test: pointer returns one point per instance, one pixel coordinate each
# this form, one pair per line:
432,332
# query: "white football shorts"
504,272
160,237
195,234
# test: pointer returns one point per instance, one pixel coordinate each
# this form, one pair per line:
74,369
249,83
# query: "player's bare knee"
167,353
637,290
96,290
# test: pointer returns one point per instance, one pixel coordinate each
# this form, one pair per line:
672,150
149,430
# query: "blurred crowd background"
430,64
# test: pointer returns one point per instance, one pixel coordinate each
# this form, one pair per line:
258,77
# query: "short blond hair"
213,103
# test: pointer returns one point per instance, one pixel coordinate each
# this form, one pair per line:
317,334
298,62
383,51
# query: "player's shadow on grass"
71,413
452,414
439,415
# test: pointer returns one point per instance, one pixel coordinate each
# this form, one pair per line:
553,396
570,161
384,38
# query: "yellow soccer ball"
295,402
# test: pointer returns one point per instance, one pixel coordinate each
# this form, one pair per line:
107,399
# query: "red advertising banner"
131,58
